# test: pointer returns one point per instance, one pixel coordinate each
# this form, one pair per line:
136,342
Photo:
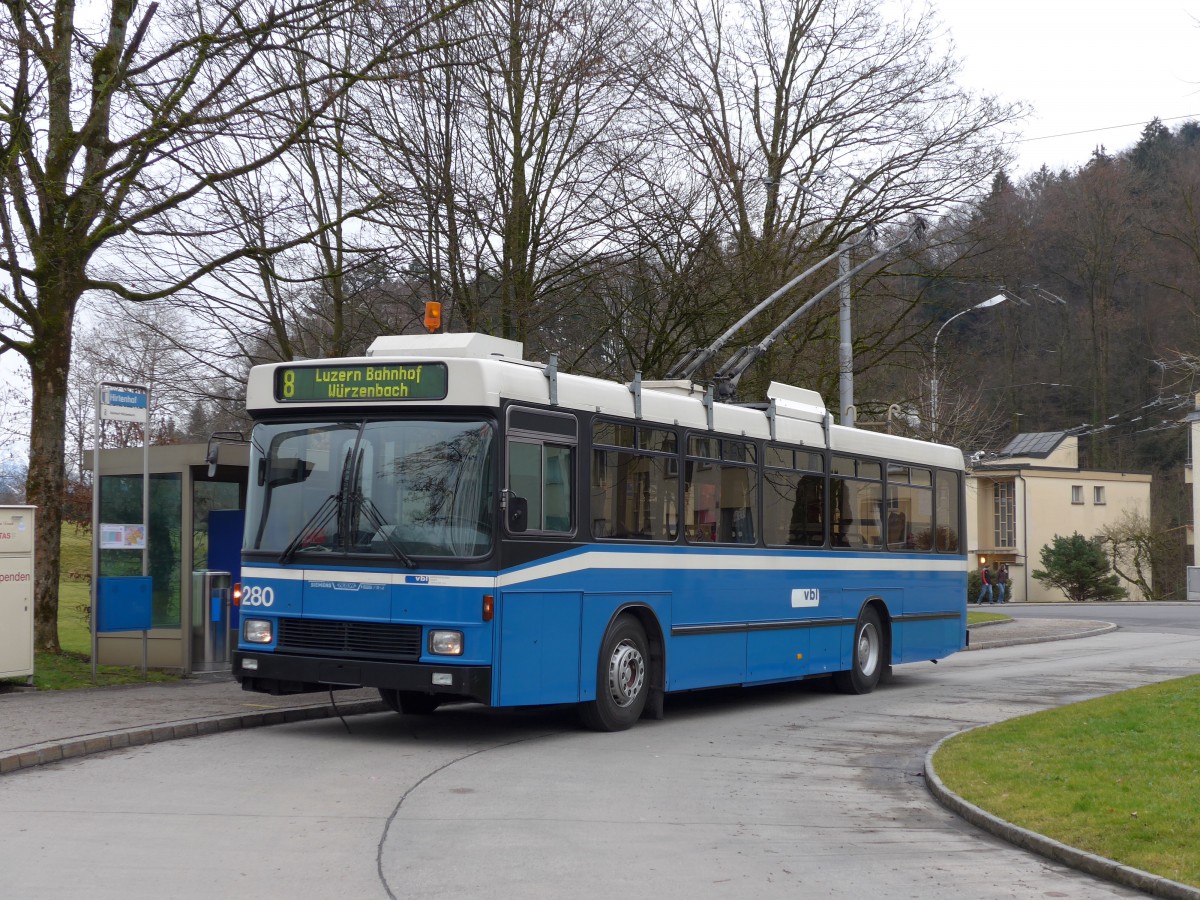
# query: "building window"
1077,494
1004,513
1098,495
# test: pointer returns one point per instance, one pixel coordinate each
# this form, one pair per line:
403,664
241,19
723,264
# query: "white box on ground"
16,591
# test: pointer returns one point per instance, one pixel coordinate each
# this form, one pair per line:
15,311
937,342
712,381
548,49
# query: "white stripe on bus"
615,559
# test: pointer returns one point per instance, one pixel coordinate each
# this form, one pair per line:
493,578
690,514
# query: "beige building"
1033,490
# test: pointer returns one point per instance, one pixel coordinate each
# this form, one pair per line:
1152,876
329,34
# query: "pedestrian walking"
986,591
1002,582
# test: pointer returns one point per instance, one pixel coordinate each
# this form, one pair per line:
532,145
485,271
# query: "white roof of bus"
484,371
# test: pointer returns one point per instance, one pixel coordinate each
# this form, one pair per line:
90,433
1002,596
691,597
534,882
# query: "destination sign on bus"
373,383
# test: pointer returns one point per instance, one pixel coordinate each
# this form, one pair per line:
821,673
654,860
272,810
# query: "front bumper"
292,674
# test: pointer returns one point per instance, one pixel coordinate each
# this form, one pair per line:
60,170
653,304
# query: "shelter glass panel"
121,503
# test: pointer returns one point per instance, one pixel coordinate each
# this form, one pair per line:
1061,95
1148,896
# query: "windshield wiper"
376,520
316,523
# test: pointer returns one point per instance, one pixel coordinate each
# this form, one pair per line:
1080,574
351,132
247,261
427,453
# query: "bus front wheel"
410,703
622,678
868,663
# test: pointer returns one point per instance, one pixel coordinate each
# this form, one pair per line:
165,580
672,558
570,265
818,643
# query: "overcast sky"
1083,65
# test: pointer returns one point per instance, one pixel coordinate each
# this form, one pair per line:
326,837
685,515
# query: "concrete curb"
73,748
1013,642
1099,866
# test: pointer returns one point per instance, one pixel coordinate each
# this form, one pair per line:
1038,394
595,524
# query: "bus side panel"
706,660
778,653
929,638
830,649
936,594
539,647
598,612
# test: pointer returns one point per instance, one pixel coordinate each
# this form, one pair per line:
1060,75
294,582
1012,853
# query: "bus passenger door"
538,660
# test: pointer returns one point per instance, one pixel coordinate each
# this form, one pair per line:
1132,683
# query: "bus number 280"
257,595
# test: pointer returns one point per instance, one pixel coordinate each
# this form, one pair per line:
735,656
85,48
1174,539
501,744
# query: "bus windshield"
397,489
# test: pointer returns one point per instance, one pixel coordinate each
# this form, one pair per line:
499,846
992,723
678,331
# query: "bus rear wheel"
868,663
410,703
622,678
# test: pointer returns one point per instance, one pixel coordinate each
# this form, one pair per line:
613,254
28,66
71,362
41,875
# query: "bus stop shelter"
195,526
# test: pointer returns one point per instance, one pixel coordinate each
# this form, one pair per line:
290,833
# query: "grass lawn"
1118,776
978,618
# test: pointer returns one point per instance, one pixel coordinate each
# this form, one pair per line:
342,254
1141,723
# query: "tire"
409,703
622,678
868,662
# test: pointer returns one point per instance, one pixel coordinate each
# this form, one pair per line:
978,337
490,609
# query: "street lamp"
933,383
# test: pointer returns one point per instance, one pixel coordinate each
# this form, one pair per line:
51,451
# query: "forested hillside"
1118,242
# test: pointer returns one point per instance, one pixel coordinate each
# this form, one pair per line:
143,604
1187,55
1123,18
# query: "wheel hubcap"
626,673
868,649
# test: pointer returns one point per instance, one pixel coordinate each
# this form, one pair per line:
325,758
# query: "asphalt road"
1169,618
786,791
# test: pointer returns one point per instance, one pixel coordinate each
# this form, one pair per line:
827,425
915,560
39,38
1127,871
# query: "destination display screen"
361,384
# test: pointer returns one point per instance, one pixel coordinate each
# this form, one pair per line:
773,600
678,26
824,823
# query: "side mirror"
213,455
518,514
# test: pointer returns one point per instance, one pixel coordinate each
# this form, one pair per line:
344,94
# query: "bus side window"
557,499
525,479
948,489
542,475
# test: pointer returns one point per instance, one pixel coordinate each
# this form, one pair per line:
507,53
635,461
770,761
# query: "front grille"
373,639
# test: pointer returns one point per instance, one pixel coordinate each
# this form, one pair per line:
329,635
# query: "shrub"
1079,568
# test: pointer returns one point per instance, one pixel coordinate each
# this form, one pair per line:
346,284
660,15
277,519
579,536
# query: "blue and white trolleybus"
445,521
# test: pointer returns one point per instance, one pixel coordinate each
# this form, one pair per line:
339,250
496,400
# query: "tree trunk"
47,475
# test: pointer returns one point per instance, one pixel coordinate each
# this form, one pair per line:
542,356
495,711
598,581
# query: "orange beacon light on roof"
433,316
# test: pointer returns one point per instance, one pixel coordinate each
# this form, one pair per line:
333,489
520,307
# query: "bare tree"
1136,552
501,154
134,344
326,296
812,120
103,137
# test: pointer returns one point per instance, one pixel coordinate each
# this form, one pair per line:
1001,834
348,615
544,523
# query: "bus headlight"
446,643
257,631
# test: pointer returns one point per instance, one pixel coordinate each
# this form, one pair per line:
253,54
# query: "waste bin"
210,620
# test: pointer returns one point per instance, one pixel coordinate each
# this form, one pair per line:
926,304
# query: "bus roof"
485,371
